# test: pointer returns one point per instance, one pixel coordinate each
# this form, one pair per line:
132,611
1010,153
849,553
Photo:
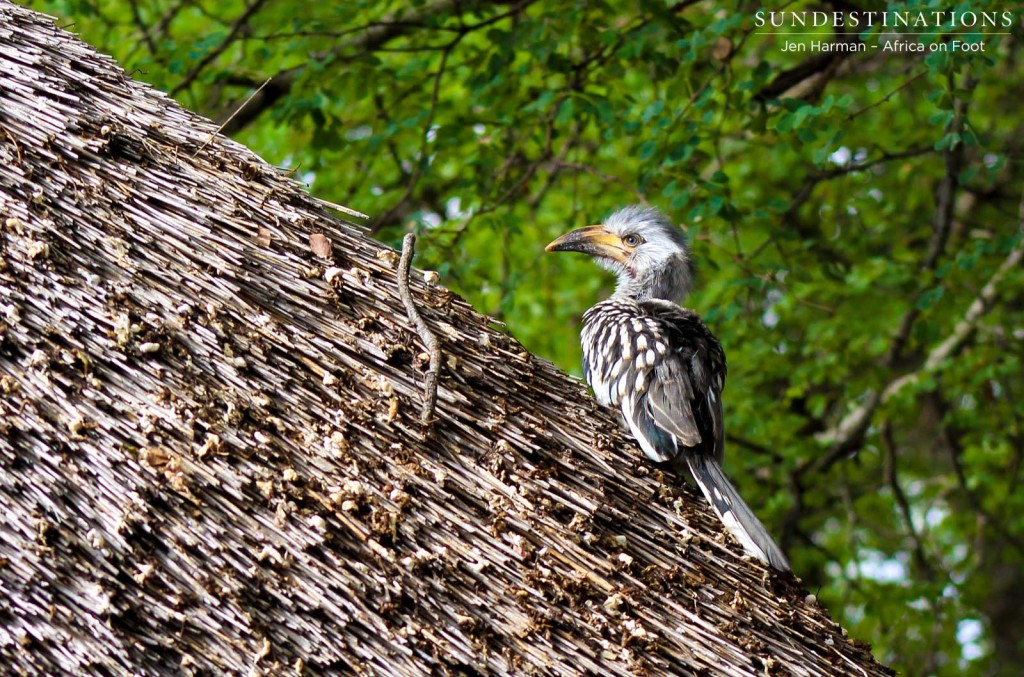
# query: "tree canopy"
856,216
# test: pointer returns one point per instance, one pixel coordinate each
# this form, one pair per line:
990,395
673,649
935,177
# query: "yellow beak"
593,240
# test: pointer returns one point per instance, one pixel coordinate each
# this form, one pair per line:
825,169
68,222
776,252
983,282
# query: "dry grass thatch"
211,453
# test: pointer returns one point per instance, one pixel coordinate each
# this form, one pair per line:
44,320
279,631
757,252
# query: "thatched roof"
212,458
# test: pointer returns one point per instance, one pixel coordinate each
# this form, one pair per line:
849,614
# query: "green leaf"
930,298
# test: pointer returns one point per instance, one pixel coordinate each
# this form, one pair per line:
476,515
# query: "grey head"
649,256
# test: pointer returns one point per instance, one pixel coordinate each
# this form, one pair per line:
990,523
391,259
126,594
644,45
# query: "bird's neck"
668,283
632,288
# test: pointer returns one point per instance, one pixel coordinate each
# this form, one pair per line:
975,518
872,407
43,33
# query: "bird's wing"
670,399
661,418
662,367
682,399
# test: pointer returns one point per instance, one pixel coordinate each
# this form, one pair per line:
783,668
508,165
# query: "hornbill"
659,363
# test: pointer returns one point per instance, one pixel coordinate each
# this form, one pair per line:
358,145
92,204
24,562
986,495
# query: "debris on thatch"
212,458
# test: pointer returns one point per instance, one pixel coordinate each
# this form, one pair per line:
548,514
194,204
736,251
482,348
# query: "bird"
658,363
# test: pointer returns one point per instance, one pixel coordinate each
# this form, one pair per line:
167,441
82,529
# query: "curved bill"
593,240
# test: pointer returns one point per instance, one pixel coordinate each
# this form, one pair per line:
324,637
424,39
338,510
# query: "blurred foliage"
847,209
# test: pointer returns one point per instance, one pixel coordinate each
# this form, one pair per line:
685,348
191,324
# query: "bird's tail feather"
734,512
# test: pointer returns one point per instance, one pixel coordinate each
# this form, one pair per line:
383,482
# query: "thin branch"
556,164
791,520
236,27
271,92
417,173
382,114
342,208
371,39
868,164
1013,470
611,178
755,447
885,98
231,117
141,25
421,160
362,28
791,215
963,329
943,225
159,31
956,456
849,434
545,156
845,437
427,336
892,479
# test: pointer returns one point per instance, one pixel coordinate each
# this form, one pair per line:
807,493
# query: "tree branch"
429,340
812,180
886,98
945,200
423,154
816,65
848,434
956,456
141,25
370,39
236,27
892,479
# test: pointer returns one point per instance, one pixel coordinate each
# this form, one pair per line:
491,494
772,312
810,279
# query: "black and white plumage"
658,363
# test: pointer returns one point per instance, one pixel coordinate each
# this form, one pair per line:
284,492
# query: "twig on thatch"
427,336
230,118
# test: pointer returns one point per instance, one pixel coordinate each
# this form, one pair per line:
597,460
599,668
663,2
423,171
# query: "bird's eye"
632,240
